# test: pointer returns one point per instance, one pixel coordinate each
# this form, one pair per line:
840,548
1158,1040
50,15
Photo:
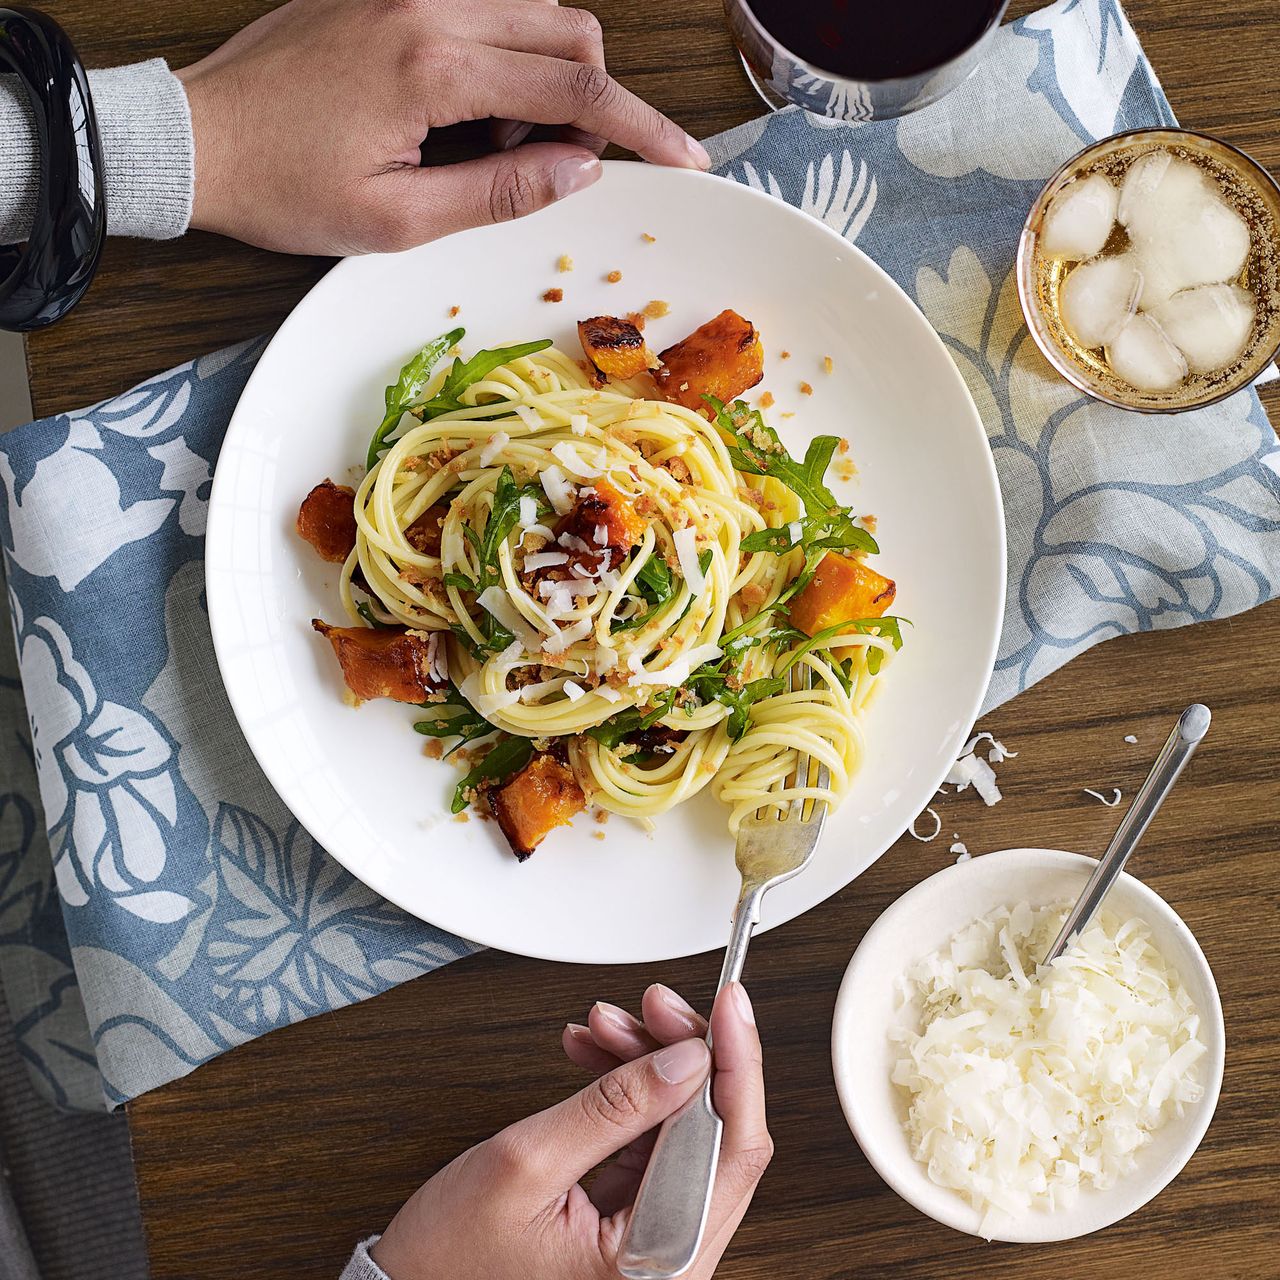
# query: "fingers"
556,1147
613,1036
414,205
478,81
738,1092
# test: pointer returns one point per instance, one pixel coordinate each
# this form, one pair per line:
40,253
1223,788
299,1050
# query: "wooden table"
293,1146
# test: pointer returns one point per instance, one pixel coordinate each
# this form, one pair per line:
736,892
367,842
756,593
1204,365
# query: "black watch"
41,281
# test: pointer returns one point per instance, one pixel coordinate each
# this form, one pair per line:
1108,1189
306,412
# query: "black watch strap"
43,279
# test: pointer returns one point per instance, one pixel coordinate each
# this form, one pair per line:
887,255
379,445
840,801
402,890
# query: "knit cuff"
144,123
363,1267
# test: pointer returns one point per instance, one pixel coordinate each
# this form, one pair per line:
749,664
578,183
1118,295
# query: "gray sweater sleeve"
363,1267
147,150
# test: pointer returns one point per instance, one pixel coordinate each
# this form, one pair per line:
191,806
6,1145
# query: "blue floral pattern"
198,914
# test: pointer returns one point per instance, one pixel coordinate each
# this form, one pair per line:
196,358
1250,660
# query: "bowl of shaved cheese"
1016,1101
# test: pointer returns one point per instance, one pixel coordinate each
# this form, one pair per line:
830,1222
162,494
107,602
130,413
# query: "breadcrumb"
827,364
613,277
602,816
453,311
597,835
433,749
464,816
656,309
870,522
553,295
845,469
636,318
843,446
806,389
767,400
647,238
789,414
784,355
565,263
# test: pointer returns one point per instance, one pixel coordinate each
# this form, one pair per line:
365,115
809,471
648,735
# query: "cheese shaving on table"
686,544
933,813
1026,1083
1131,738
976,772
1097,795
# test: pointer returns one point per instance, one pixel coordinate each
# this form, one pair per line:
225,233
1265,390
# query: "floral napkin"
198,914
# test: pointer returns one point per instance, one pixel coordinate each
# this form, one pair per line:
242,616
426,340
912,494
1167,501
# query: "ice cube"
1097,298
1154,185
1210,325
1144,357
1079,218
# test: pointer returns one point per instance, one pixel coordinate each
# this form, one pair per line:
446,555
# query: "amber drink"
1149,270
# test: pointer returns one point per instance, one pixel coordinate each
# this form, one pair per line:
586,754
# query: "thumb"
424,204
562,1143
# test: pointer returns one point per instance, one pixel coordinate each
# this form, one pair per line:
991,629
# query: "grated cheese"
686,544
498,603
933,813
536,560
578,424
494,446
573,462
558,490
1027,1083
1097,795
528,511
974,771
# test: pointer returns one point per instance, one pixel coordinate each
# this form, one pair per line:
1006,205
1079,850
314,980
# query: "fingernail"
674,1002
681,1061
616,1017
742,1004
580,1033
698,152
573,174
511,133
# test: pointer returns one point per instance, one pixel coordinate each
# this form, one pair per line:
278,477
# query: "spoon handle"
1187,735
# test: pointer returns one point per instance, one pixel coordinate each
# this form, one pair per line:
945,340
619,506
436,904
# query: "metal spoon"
1187,735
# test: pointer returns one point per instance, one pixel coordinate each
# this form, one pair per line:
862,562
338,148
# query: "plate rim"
217,568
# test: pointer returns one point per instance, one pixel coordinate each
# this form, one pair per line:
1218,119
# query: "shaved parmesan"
558,490
600,535
936,831
437,658
498,603
578,424
544,560
569,635
486,703
1097,795
529,416
795,531
676,672
609,693
973,771
686,544
495,445
573,589
998,753
1131,738
540,530
603,660
528,511
573,542
573,462
1026,1082
573,690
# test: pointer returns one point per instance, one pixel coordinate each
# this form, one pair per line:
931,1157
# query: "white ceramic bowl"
921,921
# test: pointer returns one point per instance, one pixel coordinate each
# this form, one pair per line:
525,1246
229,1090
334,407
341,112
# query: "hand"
308,122
513,1208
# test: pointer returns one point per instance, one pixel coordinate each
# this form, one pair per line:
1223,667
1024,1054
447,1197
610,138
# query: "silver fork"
670,1213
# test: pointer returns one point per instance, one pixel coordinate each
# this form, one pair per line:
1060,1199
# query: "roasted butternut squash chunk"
540,797
841,590
721,358
327,520
389,662
424,533
615,347
604,507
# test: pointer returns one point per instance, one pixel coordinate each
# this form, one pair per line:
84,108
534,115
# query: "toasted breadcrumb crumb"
433,749
806,389
613,277
870,522
597,835
464,816
845,469
350,698
684,386
656,309
636,318
766,400
827,364
789,414
602,816
553,295
453,311
647,238
784,355
565,263
843,446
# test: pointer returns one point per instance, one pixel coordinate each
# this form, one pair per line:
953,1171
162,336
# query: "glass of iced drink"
1149,270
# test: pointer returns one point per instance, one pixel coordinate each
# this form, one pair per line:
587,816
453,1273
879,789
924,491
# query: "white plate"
921,921
358,781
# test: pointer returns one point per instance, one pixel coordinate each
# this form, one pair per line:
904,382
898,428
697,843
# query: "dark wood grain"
289,1148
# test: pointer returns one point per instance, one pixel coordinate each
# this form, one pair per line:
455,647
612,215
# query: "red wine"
875,40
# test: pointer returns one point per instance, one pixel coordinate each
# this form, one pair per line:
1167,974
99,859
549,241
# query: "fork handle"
665,1231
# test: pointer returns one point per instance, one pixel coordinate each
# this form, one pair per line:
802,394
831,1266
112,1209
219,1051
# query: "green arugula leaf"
371,618
735,645
466,373
612,733
407,388
835,531
657,586
739,701
455,717
510,755
461,582
889,626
